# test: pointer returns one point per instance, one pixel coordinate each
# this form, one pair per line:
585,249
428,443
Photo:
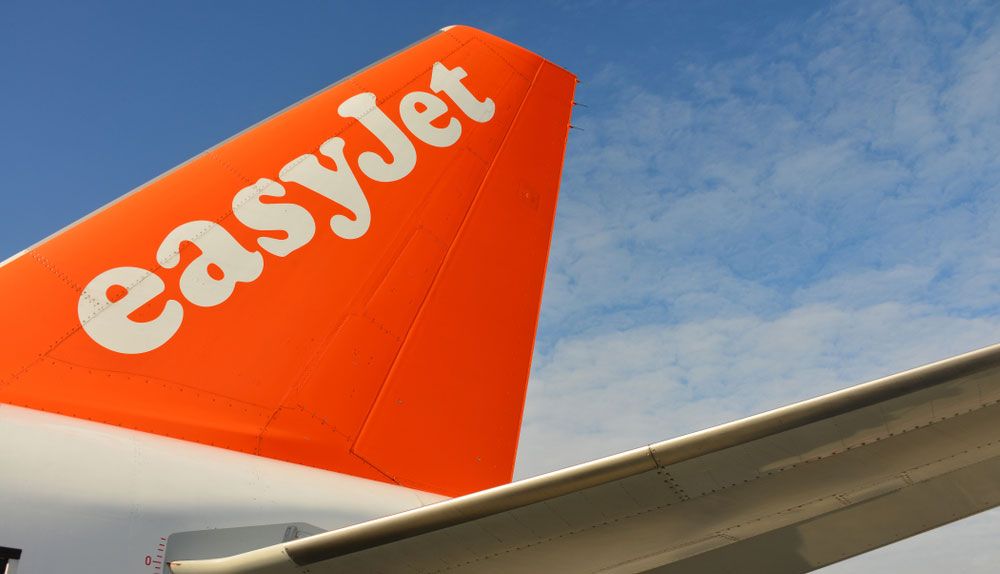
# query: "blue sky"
769,200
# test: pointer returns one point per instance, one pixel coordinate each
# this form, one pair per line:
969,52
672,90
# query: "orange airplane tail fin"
352,284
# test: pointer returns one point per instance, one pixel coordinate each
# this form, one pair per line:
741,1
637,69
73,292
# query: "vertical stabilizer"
352,284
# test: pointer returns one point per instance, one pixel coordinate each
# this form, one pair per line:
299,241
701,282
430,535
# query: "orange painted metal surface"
401,355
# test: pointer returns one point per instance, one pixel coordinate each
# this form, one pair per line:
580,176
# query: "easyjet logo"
212,277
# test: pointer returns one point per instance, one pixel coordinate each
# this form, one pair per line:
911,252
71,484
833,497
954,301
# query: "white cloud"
605,392
817,213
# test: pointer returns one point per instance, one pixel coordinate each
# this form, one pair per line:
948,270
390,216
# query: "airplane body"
83,496
307,349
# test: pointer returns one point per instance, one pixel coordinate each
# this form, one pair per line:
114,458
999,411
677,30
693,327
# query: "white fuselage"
78,496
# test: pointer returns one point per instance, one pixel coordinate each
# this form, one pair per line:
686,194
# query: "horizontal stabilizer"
784,492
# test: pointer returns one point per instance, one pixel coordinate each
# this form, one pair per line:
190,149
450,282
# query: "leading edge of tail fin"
352,284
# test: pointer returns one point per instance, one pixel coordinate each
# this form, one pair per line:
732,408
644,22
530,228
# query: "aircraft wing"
785,491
